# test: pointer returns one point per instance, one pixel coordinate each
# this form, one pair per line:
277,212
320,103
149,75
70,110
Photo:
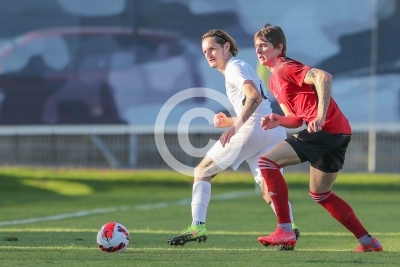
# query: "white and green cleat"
191,233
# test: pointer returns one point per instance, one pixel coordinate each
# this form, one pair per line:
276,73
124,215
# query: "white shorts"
249,144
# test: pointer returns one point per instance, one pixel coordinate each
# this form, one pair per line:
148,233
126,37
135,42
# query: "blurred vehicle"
92,75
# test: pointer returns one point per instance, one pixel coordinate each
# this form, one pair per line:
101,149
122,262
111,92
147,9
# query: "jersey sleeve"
293,72
238,73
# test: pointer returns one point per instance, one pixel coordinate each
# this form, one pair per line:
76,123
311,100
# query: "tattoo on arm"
312,73
327,91
249,108
324,94
321,82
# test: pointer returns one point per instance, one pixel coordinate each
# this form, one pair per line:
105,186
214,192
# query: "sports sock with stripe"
277,188
343,213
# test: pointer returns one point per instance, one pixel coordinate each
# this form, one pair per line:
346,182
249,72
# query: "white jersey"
236,73
251,141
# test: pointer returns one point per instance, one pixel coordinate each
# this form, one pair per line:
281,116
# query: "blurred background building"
82,81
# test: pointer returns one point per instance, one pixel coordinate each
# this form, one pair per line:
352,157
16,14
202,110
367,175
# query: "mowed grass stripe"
155,249
83,213
147,231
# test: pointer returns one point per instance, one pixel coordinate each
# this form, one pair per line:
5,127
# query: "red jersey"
286,84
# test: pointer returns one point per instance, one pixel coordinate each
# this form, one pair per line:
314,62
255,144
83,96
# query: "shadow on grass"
15,190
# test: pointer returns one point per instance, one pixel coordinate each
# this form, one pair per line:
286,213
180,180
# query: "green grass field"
50,217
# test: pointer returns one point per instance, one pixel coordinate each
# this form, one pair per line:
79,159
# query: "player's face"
266,52
216,55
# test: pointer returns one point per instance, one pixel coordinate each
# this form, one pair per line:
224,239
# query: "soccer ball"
113,237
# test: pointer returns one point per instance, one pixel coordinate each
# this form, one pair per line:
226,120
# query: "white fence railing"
373,148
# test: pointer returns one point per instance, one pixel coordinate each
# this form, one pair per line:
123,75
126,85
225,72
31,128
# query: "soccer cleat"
191,233
297,233
374,247
277,238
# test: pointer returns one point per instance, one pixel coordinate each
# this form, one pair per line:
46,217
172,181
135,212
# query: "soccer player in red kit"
304,94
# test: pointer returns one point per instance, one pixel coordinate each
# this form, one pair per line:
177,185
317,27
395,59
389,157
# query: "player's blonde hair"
222,37
272,34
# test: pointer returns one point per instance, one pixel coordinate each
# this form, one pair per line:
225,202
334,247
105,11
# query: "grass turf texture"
155,205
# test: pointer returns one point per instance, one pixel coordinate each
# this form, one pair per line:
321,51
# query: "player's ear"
280,48
227,46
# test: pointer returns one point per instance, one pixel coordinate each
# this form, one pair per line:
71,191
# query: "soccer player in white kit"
244,139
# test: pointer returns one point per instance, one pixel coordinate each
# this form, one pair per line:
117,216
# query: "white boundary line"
83,213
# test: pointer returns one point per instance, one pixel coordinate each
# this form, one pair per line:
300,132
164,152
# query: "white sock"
290,210
201,196
291,213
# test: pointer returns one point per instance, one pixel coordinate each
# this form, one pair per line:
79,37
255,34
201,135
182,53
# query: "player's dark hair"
272,34
222,37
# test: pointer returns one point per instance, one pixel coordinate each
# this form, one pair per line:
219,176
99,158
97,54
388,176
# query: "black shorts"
325,151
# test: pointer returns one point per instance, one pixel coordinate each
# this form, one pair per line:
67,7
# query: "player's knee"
201,173
198,172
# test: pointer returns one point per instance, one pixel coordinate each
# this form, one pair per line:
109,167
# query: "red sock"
341,211
277,188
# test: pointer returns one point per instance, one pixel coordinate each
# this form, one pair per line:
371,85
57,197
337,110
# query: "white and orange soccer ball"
113,237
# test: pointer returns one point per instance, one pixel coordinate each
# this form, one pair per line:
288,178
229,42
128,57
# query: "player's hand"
227,135
315,125
220,120
270,121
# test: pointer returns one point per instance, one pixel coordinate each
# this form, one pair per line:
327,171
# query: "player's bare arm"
253,100
322,81
273,120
